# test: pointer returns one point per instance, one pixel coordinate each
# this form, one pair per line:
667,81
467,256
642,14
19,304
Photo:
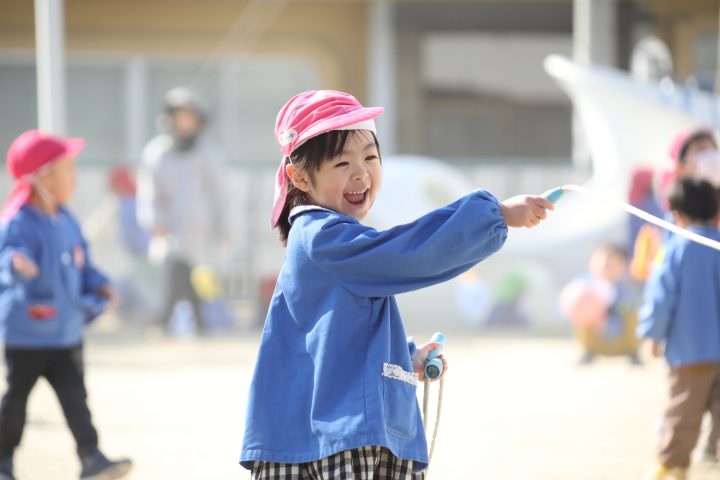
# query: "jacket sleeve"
430,250
16,237
660,298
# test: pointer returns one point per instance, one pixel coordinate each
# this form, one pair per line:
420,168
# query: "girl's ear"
298,177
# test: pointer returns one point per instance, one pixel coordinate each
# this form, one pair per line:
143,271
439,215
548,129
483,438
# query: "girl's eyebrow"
366,147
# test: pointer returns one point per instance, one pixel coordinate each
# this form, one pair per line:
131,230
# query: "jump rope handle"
553,194
434,365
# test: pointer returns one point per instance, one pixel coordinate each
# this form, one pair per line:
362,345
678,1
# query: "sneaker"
662,473
6,468
96,466
634,359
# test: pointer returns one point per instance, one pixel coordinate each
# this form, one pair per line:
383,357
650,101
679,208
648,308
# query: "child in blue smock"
333,393
681,315
49,290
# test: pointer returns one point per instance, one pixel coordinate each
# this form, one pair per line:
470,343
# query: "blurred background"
462,82
515,96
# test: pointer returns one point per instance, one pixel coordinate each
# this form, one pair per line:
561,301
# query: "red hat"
27,156
309,114
122,182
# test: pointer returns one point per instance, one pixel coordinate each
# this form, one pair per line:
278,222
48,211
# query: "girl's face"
607,265
347,183
59,180
689,167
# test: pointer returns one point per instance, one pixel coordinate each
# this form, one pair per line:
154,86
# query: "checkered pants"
364,463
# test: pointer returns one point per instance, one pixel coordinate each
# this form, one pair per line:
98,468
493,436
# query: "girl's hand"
420,356
24,266
525,210
107,292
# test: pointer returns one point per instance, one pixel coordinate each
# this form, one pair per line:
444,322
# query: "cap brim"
73,146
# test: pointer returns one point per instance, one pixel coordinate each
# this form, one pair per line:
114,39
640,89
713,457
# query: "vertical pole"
717,58
50,61
594,41
381,70
135,108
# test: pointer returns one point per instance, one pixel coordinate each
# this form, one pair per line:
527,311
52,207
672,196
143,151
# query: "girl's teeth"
355,197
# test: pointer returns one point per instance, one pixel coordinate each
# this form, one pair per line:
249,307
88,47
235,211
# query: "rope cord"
426,407
708,242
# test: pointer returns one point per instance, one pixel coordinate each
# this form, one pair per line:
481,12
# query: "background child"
681,310
601,306
49,290
181,200
694,155
333,394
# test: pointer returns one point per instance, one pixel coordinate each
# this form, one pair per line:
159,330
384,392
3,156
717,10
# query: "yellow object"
662,473
205,282
625,344
646,251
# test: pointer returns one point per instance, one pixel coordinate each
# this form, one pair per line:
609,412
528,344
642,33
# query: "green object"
511,287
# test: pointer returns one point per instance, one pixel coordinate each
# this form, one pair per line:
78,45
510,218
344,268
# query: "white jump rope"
433,369
434,365
554,195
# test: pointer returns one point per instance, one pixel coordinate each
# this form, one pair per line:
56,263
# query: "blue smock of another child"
66,285
682,301
334,369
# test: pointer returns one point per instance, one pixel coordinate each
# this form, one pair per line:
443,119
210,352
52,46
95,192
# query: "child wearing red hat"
333,393
49,290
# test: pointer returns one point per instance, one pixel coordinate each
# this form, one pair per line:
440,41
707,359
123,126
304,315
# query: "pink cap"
683,138
307,115
27,156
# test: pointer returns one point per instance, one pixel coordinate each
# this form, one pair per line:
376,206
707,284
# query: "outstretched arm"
430,250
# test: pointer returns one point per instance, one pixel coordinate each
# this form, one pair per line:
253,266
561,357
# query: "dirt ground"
513,408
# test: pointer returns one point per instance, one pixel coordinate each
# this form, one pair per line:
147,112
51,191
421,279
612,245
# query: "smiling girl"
333,394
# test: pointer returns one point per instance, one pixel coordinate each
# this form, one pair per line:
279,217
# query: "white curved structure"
626,123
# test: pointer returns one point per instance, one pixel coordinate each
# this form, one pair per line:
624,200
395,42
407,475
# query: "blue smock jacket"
50,310
334,369
682,301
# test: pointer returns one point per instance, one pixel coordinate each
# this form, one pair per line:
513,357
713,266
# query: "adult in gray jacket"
182,197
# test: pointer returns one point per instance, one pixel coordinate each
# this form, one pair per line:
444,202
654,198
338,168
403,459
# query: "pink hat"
27,156
307,115
682,140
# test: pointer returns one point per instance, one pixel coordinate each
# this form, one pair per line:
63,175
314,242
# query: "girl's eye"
371,157
342,164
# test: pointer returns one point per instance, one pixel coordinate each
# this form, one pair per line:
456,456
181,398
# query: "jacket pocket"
400,401
37,316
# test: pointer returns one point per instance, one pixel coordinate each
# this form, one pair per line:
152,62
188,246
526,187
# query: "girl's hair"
696,199
309,157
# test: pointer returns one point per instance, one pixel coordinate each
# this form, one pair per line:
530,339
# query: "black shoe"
96,466
634,359
587,358
6,468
